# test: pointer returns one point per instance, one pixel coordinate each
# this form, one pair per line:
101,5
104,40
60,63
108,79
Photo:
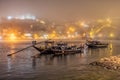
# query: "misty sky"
61,9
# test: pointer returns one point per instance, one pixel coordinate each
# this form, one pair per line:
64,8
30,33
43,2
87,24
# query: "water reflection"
9,61
111,48
62,59
34,62
22,65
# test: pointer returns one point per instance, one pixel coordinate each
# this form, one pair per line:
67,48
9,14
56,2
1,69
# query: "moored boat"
96,44
58,48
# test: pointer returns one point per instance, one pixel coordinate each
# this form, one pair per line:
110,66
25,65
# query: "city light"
91,34
77,29
0,37
71,29
41,21
9,17
28,34
82,23
45,36
22,17
60,39
12,37
111,35
36,36
109,20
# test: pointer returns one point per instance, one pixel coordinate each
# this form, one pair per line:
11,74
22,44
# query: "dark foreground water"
22,66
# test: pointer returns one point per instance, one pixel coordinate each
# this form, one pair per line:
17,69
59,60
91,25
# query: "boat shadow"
53,59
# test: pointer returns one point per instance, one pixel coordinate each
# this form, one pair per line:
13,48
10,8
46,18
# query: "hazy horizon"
61,10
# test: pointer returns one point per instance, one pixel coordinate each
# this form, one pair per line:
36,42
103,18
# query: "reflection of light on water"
9,59
111,48
83,55
34,62
85,50
9,64
12,49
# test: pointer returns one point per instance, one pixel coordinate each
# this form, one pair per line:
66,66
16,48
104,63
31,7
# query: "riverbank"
113,62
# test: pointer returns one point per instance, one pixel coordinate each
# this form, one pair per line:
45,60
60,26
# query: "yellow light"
12,37
108,20
82,23
111,48
53,35
36,36
111,35
43,22
84,34
91,34
71,29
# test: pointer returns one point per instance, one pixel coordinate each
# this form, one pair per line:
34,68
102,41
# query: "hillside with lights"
29,28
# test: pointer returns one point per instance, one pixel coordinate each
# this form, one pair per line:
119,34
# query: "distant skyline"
61,9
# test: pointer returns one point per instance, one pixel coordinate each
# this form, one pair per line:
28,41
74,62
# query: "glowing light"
22,17
53,35
72,36
0,37
12,37
84,34
109,20
25,17
85,25
111,35
82,23
111,48
41,21
45,36
91,34
71,29
28,34
36,36
9,17
69,36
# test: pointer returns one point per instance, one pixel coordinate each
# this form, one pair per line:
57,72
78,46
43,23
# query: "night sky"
61,9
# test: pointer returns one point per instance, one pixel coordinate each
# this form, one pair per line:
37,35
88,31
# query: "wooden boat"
45,47
65,50
58,48
96,44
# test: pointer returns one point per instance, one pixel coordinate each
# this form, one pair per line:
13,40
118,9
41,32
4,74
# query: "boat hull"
57,51
98,46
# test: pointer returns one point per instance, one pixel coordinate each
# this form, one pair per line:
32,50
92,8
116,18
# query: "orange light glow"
71,29
111,35
12,37
36,36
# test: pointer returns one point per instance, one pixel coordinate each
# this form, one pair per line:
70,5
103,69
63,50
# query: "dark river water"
22,66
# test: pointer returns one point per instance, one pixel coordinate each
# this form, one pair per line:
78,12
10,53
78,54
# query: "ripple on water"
22,66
